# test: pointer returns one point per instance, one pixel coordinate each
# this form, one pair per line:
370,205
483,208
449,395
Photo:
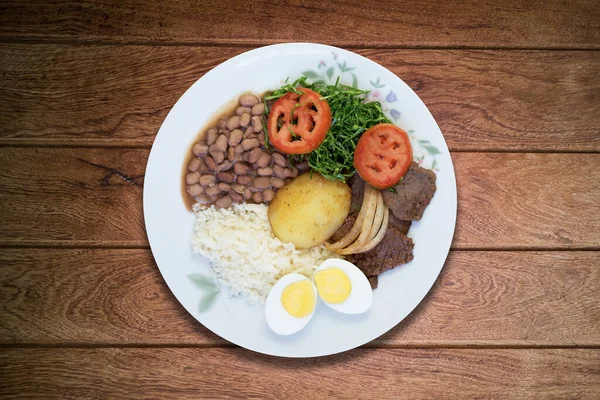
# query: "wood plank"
482,100
56,196
118,297
227,373
72,196
527,200
416,23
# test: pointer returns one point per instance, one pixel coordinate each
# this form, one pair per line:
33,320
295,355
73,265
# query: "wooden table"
515,88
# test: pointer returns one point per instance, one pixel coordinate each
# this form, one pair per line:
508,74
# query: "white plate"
169,224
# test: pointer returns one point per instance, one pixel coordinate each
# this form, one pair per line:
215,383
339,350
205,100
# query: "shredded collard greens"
351,117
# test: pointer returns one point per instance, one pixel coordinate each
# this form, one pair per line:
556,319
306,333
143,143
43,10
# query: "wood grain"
512,23
527,200
380,374
82,297
72,196
483,100
57,196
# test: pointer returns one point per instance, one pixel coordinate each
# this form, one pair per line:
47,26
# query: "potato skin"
309,210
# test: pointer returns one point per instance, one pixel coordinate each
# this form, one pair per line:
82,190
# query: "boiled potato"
309,209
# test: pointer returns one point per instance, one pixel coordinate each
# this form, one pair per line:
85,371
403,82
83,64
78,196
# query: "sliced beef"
404,226
395,249
410,197
345,228
374,281
357,185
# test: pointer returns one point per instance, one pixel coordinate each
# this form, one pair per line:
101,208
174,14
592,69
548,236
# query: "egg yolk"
333,285
299,299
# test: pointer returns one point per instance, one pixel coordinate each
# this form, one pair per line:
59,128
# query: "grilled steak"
373,281
395,249
404,226
412,194
357,184
345,228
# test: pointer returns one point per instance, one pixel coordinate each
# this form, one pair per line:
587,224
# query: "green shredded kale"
351,117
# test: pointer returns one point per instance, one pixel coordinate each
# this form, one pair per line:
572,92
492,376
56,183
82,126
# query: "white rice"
245,254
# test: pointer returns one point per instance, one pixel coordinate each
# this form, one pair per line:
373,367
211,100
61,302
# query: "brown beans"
303,166
258,109
253,155
223,202
249,133
248,100
226,177
233,122
278,170
262,183
279,159
195,190
241,169
250,143
257,197
212,190
222,124
212,150
211,136
261,138
241,110
290,172
257,123
238,150
210,163
247,194
236,197
268,195
221,142
236,137
206,180
230,153
268,171
244,179
216,154
200,149
191,178
239,188
277,182
224,166
244,119
194,165
225,187
264,160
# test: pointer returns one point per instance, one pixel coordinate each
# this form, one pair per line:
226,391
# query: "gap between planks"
80,244
439,345
255,44
132,144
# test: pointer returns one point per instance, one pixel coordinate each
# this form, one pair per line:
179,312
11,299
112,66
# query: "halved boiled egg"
291,304
343,287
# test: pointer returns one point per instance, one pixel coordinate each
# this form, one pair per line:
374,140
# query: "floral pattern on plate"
328,71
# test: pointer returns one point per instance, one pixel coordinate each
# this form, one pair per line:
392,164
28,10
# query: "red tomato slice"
297,123
383,155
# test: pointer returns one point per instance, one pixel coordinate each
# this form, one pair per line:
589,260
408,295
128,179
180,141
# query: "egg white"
278,319
361,294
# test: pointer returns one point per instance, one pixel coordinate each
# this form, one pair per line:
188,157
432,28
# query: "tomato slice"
297,123
383,155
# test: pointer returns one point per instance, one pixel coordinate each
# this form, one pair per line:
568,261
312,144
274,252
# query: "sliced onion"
356,228
363,238
382,231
